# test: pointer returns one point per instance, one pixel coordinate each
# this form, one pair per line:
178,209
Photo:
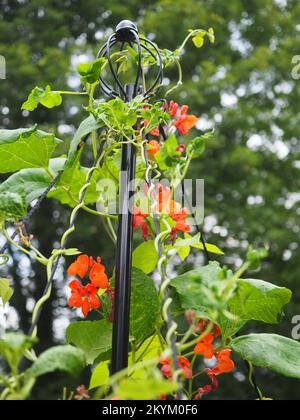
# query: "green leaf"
259,301
93,337
230,327
199,40
211,35
66,359
117,115
255,257
150,349
184,252
148,387
30,182
124,63
195,242
190,285
154,116
145,257
279,354
44,97
145,306
5,291
168,155
25,148
86,128
91,72
198,145
12,206
100,375
13,347
74,177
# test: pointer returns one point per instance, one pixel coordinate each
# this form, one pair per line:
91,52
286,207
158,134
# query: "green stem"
43,260
183,347
190,392
63,92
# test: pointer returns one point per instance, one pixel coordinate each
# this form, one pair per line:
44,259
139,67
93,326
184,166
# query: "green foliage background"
242,87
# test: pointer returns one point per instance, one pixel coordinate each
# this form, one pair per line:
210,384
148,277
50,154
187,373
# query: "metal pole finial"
125,29
127,33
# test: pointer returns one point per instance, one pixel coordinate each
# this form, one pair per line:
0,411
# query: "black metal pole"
120,344
126,32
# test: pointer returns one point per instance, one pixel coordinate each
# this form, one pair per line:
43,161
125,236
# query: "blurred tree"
243,88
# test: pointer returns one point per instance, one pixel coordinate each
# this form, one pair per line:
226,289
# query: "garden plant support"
134,319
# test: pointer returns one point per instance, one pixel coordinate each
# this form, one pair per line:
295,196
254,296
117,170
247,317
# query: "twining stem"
94,135
180,78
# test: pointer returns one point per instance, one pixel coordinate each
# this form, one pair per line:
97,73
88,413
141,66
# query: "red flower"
140,221
98,276
80,267
205,347
154,132
164,198
181,226
75,300
208,388
153,147
178,215
225,364
173,109
84,297
181,148
166,368
82,393
183,363
203,325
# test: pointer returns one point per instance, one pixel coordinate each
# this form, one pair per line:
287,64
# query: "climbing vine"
185,331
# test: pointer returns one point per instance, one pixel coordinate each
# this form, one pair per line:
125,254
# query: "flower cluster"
180,119
183,363
165,205
86,297
206,348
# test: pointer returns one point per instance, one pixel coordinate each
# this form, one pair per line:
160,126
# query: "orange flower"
182,226
153,147
185,123
80,267
205,347
225,364
98,276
